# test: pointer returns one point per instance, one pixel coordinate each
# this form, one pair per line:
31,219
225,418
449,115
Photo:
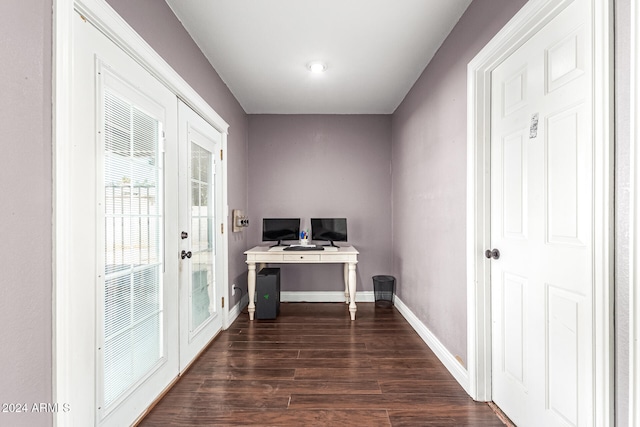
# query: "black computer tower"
268,293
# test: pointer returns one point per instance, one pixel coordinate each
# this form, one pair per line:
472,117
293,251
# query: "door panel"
565,61
514,185
541,221
200,215
127,132
513,321
563,353
563,177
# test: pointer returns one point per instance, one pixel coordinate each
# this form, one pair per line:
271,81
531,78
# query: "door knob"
185,254
495,254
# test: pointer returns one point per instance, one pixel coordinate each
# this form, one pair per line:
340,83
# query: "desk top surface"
280,249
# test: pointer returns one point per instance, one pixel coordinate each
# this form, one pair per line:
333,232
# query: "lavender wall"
25,208
324,166
156,23
429,178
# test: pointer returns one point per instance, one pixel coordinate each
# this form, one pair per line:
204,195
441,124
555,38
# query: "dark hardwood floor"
315,367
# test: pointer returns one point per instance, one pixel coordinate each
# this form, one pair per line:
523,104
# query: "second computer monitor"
329,229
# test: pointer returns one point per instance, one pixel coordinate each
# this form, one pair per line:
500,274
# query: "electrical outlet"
233,290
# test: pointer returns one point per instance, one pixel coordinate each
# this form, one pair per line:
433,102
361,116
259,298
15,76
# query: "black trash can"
384,287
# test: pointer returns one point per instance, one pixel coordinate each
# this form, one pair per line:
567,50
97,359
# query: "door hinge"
222,228
222,302
221,155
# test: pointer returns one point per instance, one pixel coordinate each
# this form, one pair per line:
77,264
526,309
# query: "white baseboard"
323,296
448,360
236,310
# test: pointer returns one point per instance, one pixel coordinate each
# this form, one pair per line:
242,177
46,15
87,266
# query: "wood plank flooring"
314,367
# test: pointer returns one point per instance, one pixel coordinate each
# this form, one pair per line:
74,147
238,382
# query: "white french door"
119,199
201,208
542,221
126,142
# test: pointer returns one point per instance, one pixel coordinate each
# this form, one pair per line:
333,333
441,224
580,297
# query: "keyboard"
304,248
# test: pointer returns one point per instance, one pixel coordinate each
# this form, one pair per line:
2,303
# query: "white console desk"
346,255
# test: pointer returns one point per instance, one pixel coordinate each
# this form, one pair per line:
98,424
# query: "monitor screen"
329,229
277,229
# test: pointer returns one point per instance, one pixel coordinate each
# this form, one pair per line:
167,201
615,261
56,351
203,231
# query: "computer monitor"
329,229
279,229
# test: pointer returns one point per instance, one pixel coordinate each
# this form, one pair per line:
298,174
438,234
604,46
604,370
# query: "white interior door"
124,194
542,224
201,210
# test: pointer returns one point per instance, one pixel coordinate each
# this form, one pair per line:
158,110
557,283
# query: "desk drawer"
273,257
339,258
302,257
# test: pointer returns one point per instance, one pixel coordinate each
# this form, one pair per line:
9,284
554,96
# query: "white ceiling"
375,49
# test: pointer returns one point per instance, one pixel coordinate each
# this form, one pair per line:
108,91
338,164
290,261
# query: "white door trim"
65,330
62,366
533,16
634,236
101,15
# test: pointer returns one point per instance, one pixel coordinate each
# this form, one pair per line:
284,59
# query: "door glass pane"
131,338
202,286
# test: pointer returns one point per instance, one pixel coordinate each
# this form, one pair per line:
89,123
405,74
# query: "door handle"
185,254
495,254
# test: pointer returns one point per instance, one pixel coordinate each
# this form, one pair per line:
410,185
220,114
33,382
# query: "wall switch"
238,221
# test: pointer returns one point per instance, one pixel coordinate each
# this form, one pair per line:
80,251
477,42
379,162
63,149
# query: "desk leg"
346,283
251,282
352,291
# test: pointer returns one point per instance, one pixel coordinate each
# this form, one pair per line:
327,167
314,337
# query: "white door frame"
634,221
67,330
531,18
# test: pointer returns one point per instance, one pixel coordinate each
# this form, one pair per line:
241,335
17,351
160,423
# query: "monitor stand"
277,244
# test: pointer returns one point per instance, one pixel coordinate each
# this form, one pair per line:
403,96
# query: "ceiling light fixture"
317,67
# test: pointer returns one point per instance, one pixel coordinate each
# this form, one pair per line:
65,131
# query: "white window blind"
132,326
